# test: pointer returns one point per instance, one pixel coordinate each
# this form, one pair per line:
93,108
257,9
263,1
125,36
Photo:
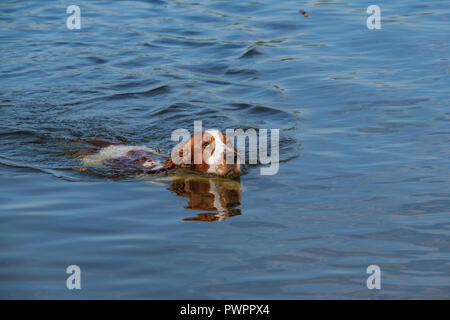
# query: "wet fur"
129,160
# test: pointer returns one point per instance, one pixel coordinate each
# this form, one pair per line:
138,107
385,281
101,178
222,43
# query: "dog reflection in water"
218,196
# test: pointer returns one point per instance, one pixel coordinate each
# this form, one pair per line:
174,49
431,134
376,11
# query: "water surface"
364,149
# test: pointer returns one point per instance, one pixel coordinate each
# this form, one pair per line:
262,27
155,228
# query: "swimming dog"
204,151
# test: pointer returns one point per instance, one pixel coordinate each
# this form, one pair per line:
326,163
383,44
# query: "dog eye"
205,144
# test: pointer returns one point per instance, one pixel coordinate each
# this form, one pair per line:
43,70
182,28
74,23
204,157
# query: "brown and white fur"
204,152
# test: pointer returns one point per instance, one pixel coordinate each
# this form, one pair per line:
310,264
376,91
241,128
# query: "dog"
205,152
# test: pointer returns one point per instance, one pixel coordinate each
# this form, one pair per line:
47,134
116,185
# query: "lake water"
364,171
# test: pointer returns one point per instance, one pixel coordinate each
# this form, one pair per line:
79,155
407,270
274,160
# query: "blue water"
364,125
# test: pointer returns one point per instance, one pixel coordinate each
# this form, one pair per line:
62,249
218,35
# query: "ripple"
160,90
250,53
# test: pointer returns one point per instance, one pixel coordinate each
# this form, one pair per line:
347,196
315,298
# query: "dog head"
207,152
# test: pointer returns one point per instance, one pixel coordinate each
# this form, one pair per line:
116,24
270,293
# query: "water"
364,129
